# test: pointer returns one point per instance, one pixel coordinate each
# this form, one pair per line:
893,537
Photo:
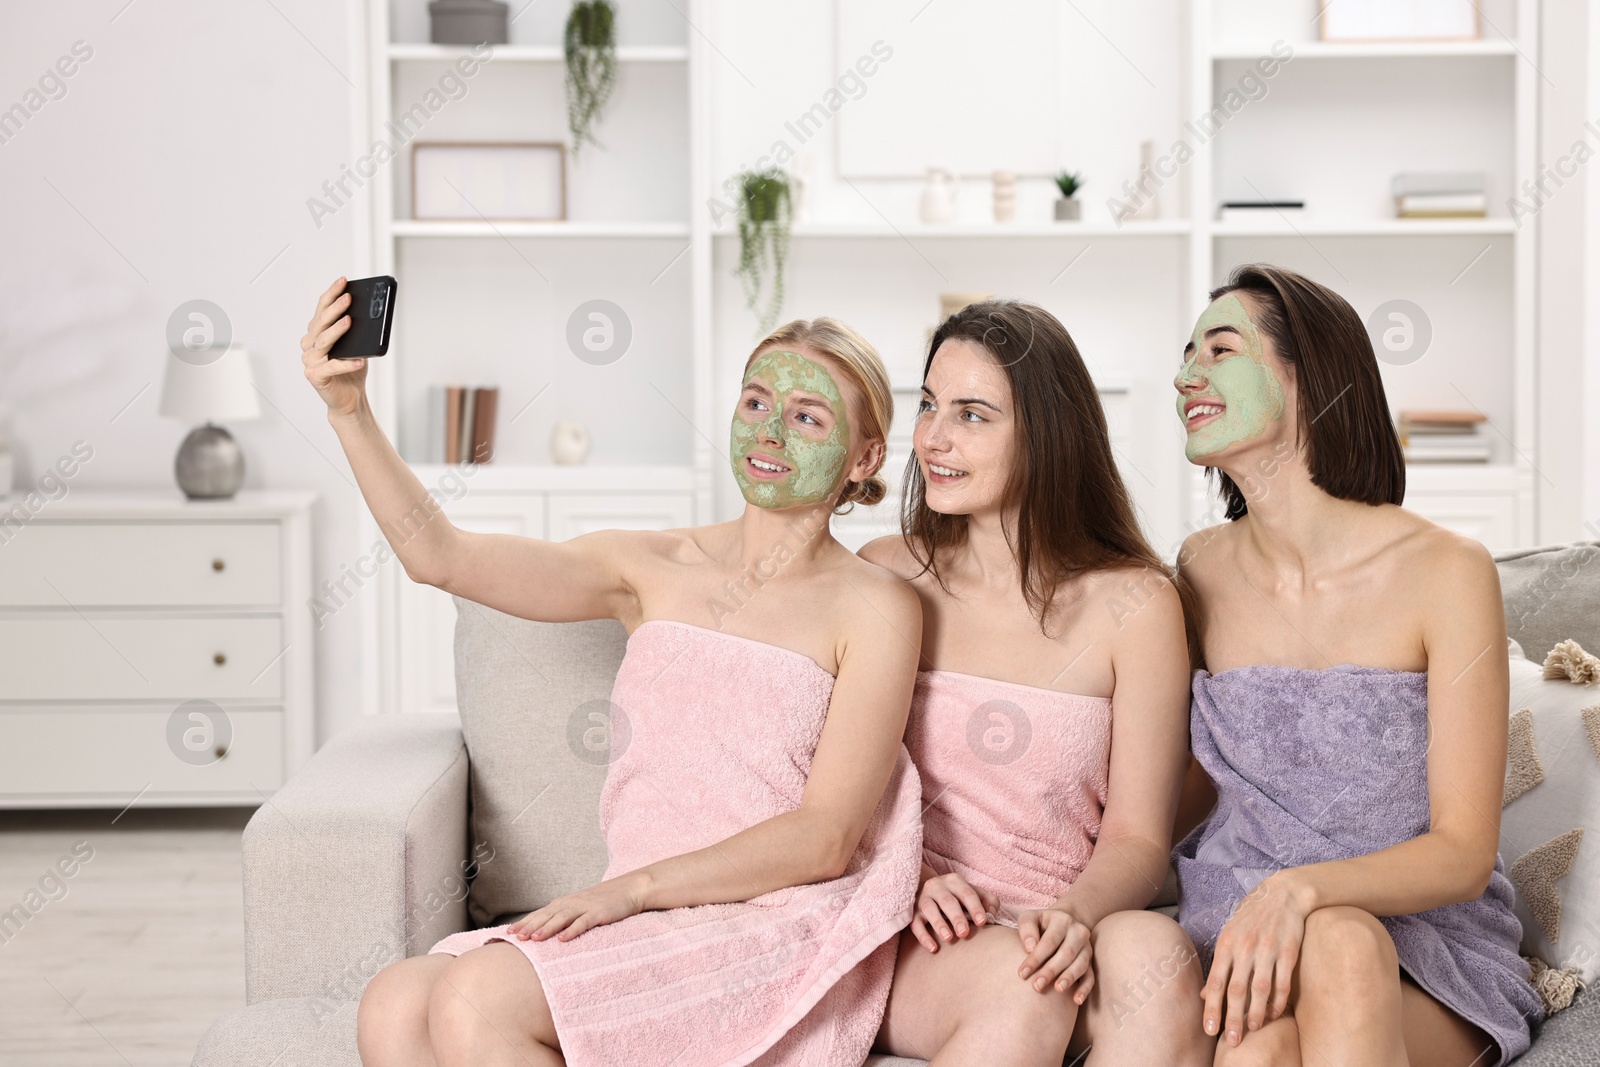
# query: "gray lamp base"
209,464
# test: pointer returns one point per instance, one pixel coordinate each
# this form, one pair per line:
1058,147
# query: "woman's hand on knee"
1060,949
1252,967
949,907
564,918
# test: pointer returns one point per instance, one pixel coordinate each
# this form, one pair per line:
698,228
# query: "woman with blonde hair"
762,823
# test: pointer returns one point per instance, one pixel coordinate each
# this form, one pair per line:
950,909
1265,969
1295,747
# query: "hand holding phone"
340,382
371,312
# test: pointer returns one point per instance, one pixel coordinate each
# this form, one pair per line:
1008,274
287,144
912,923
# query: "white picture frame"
1400,20
497,181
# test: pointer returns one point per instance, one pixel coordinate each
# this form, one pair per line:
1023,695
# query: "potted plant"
1068,208
591,51
766,212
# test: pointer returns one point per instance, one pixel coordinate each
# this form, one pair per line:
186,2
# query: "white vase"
939,196
1005,196
569,444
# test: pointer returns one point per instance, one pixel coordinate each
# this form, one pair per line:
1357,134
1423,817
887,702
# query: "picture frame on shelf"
1351,21
498,181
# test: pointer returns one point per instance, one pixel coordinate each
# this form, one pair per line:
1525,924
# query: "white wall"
177,166
179,161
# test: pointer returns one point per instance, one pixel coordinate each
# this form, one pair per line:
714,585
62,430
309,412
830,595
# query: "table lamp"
209,464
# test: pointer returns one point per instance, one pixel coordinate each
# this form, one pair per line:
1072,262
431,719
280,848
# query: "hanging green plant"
591,50
765,214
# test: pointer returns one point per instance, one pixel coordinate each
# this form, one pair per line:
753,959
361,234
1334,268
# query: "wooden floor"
142,952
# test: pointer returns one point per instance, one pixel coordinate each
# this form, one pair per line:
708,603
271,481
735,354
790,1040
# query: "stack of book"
1440,196
1444,436
461,423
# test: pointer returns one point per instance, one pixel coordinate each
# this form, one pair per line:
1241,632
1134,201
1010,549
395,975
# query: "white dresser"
153,650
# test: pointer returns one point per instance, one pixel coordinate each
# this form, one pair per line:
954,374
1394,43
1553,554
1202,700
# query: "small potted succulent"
1069,208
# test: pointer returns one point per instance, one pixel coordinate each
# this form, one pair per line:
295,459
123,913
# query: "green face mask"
1241,381
777,431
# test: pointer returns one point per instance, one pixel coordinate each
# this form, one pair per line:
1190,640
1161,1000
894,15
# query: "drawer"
116,752
88,564
81,657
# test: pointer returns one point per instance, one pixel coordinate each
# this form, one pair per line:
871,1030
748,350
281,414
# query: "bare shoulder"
1204,552
1441,564
876,604
892,554
1142,603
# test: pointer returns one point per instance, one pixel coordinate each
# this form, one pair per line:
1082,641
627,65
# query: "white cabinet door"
428,615
572,514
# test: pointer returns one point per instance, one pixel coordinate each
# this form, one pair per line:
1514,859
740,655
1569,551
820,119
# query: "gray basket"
468,21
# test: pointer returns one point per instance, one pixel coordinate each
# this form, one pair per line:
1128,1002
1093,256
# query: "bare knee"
1147,988
455,1022
487,998
1348,955
392,1018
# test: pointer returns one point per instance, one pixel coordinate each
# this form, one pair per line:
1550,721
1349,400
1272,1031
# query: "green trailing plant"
591,50
765,215
1069,183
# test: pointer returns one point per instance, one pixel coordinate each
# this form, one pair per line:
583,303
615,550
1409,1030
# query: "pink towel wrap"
1013,782
723,729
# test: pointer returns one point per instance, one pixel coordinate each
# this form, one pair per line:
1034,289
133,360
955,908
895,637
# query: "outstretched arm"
855,756
579,579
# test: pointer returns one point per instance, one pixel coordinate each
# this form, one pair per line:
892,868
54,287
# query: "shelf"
582,477
1372,50
534,53
990,231
1309,227
519,228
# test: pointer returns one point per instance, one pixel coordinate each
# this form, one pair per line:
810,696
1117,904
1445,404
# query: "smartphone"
371,314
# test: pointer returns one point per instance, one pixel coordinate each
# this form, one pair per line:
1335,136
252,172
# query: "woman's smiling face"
790,438
965,430
1229,389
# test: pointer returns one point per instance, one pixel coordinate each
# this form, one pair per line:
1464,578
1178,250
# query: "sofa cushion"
535,712
1552,594
1550,826
291,1032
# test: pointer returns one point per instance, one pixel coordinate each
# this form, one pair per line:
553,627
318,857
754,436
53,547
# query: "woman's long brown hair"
1074,515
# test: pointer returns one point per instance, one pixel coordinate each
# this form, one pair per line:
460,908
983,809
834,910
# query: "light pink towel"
1014,782
723,729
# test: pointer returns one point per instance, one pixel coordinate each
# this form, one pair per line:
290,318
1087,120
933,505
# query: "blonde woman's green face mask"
791,433
1227,393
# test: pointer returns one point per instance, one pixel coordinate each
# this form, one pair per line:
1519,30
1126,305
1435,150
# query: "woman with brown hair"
762,822
1047,723
1345,891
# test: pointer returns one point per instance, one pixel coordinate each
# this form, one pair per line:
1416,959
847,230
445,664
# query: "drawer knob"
219,659
217,564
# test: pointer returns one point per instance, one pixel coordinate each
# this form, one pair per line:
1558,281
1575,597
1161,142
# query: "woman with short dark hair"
1345,892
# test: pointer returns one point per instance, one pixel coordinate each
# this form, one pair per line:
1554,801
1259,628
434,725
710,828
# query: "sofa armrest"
359,860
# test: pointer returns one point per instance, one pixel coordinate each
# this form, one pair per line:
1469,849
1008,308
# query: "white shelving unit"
488,302
1424,106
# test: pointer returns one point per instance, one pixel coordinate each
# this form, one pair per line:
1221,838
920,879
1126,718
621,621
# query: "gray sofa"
361,859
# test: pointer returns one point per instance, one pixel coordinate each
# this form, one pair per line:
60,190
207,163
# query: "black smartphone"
371,314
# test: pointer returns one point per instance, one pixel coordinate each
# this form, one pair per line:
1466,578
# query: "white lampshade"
222,390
